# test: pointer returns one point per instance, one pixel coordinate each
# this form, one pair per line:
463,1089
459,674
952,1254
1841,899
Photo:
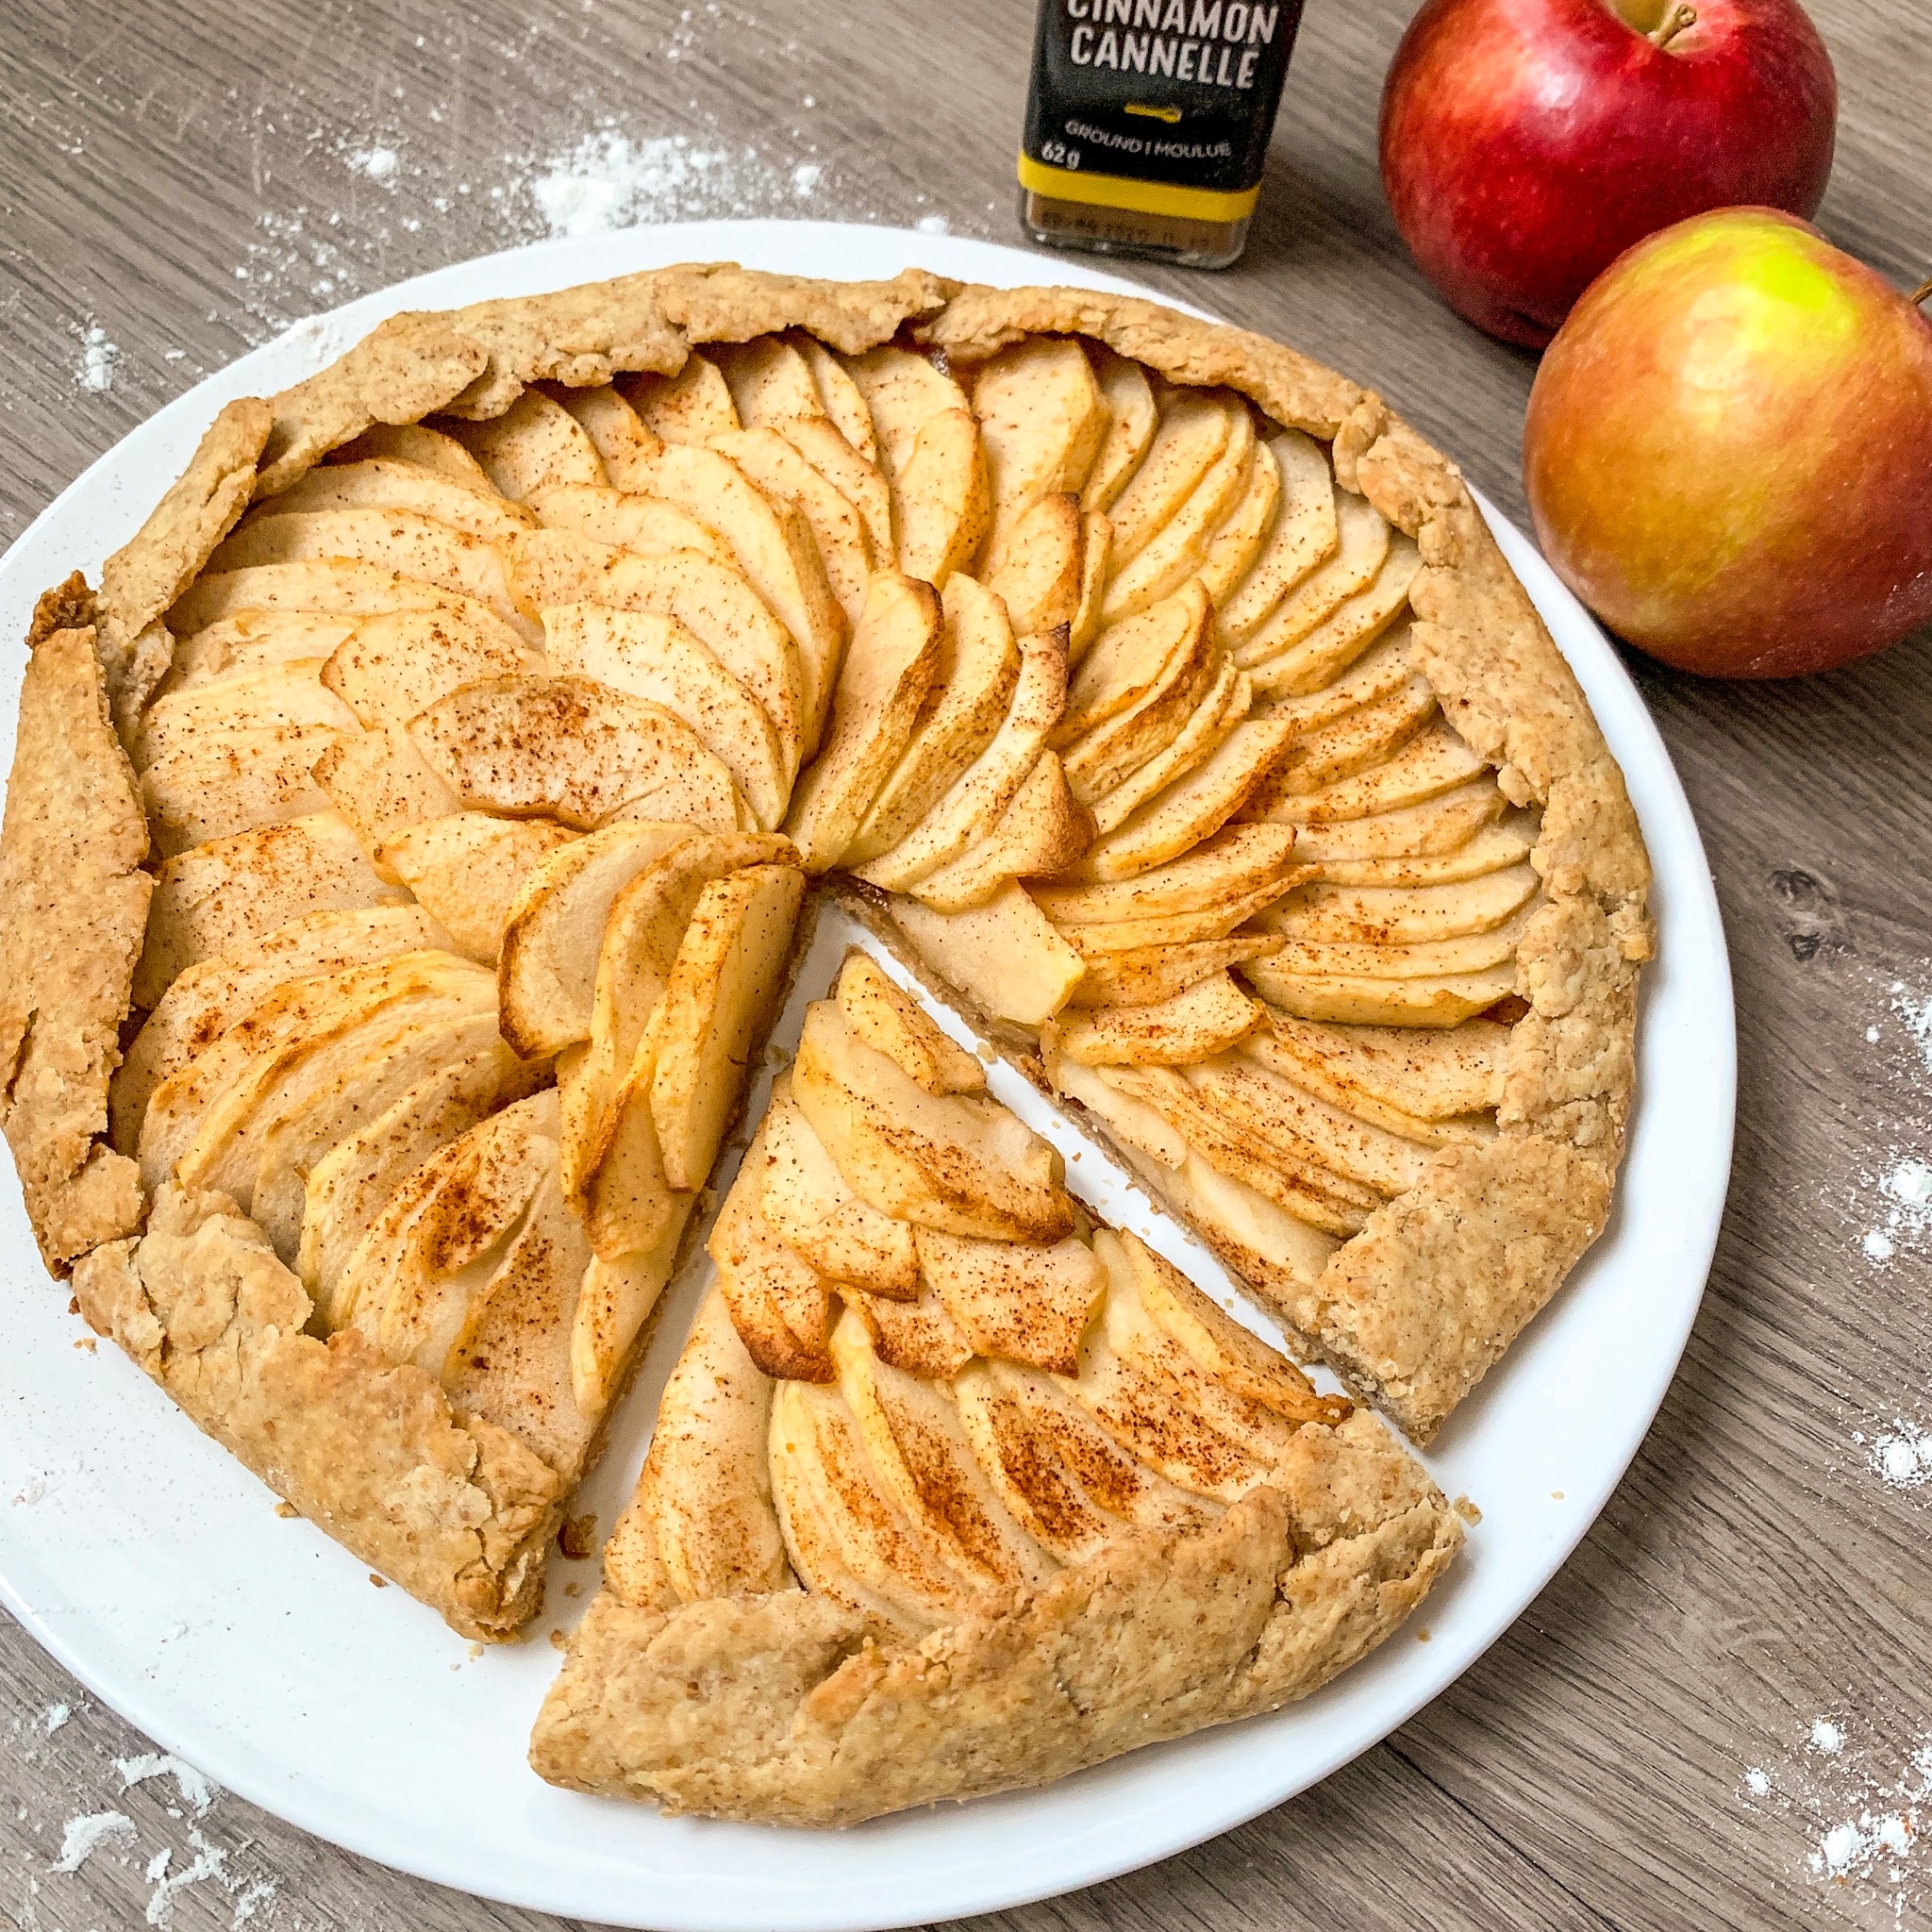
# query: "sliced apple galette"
404,855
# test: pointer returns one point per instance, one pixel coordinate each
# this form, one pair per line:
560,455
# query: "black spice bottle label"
1177,93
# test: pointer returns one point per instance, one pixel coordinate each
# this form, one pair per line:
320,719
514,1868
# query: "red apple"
1728,450
1527,143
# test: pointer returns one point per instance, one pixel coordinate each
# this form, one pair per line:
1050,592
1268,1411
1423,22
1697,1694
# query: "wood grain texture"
169,172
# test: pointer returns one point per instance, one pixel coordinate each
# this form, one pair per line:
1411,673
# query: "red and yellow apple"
1728,450
1527,143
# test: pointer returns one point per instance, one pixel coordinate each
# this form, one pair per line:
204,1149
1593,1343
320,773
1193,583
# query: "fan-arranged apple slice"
1043,420
691,407
534,445
467,869
386,483
627,520
616,429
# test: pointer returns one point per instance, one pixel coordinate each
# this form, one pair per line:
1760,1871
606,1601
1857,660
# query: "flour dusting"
54,1716
1901,1188
198,1792
610,180
85,1835
378,164
98,358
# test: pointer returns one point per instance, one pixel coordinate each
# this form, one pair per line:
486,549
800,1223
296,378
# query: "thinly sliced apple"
212,996
628,1203
1102,759
809,1205
413,442
704,1500
319,586
409,1284
548,973
710,600
1023,1303
1096,550
573,750
919,1453
1145,1346
256,640
655,658
955,1163
1406,915
782,474
1387,665
388,484
774,551
510,1363
1040,574
979,666
769,378
232,891
351,1184
1195,808
297,1012
903,392
627,520
1441,824
1446,1001
391,540
1042,831
392,667
1495,848
1303,536
1194,428
1043,420
535,444
1214,922
1330,1078
298,1079
1234,863
1470,952
1435,761
942,504
1209,727
917,1336
1177,548
1005,954
1432,1076
1132,419
883,1014
1128,659
1347,632
381,784
467,869
972,805
894,656
846,1538
842,399
780,1305
1149,975
854,474
1262,1102
1235,541
1206,1018
727,979
235,781
616,429
1236,1359
691,407
303,1131
286,696
1361,548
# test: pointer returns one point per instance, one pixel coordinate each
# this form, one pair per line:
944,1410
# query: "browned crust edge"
1516,1218
786,1709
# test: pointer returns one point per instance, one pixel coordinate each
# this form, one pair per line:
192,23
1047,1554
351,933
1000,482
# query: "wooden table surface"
187,176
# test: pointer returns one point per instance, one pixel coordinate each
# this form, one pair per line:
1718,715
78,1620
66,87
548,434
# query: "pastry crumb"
74,1305
1422,1635
288,1511
86,1342
578,1536
572,1590
557,1639
1468,1511
380,1582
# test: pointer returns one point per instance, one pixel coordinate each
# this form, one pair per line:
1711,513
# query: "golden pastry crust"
459,1513
787,1707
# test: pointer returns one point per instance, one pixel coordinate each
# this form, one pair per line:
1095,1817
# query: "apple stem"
1673,24
1919,294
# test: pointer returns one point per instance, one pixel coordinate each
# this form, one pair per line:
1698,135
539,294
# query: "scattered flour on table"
55,1716
98,357
86,1834
378,164
1898,1193
198,1792
1862,1819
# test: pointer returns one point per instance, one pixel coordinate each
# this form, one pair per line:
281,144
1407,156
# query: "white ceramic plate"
155,1567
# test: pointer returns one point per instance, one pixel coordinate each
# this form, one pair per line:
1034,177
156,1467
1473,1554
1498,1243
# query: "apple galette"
404,855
